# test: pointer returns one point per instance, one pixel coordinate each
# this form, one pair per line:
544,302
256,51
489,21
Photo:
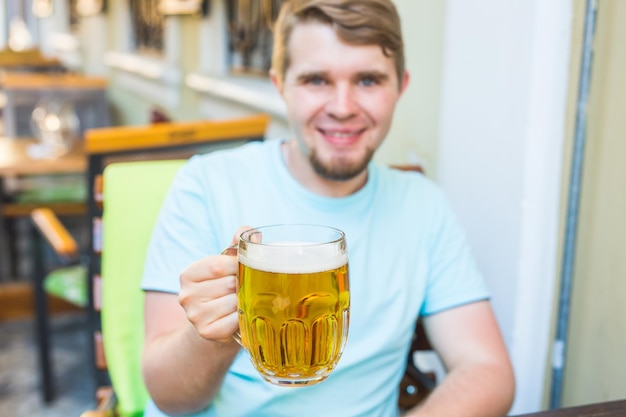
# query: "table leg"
42,323
6,261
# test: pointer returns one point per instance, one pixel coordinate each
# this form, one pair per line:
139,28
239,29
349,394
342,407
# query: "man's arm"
188,338
479,380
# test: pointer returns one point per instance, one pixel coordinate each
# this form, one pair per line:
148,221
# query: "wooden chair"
416,384
105,147
131,209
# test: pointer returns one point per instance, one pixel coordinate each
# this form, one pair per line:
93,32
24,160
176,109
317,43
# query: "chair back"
133,193
129,172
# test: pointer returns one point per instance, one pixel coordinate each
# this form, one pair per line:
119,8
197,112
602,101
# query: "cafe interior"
514,109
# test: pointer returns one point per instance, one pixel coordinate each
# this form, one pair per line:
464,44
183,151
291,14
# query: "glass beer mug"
293,298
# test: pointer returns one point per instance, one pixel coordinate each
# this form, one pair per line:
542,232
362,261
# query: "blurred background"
515,108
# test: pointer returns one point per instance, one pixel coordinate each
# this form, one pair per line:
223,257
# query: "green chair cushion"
55,194
52,188
68,283
133,194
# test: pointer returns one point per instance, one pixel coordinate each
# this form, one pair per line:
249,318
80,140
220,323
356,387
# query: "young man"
339,66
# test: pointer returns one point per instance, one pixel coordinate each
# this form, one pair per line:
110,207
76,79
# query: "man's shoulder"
411,190
257,148
232,157
405,179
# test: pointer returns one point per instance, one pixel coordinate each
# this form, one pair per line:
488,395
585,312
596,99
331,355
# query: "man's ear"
404,82
275,80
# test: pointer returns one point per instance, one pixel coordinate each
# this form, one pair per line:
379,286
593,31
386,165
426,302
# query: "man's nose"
342,103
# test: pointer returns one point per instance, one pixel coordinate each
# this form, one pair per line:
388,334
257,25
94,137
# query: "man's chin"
340,167
338,170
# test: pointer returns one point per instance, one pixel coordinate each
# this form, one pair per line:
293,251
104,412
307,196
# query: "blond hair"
356,22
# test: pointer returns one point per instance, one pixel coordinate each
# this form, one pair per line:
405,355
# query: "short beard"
340,171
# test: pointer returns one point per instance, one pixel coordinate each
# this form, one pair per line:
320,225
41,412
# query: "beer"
294,305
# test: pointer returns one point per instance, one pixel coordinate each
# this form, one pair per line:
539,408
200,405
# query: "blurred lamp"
20,38
89,7
42,8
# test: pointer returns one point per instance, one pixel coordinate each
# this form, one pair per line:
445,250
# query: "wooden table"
15,162
31,59
606,409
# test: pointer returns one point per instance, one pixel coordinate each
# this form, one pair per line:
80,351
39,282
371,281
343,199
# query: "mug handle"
232,251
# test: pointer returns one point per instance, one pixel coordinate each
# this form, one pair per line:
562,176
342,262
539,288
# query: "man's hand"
193,340
208,294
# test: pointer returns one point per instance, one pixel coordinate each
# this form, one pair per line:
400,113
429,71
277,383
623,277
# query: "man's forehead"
318,47
321,32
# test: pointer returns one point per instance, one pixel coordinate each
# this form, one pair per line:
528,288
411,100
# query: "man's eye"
316,81
368,81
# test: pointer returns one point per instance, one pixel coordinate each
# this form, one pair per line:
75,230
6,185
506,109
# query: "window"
145,54
73,14
234,58
250,24
147,26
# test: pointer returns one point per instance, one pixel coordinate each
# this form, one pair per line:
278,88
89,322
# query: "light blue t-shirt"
407,257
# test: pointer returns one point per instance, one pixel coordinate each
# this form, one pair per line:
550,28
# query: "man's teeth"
340,134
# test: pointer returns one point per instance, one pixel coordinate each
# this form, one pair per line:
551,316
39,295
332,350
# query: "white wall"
413,136
505,72
4,30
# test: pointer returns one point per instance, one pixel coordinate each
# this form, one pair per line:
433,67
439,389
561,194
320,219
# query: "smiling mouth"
341,137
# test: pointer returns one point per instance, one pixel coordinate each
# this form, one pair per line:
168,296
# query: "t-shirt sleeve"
454,278
182,233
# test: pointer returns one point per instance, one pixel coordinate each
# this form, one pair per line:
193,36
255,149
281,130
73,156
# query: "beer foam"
293,257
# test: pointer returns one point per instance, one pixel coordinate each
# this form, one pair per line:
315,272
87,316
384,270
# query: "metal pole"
569,246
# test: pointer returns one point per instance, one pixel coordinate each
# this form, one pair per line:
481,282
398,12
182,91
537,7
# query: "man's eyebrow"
378,75
306,76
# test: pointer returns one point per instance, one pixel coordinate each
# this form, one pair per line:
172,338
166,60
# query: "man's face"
340,99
